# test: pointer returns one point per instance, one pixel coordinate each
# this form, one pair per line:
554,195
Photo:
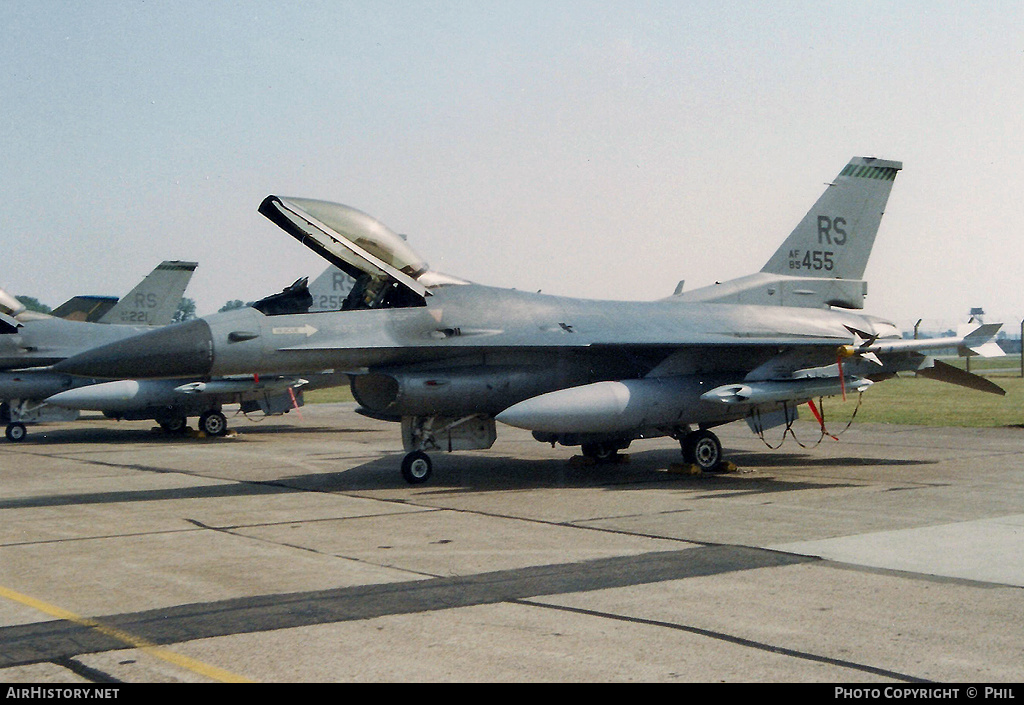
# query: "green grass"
906,400
925,402
329,395
981,364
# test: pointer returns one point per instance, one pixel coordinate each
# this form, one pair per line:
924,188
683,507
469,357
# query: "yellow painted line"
191,664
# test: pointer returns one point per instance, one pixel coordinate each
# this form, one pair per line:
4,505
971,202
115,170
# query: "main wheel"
416,467
213,423
599,451
16,432
703,449
173,424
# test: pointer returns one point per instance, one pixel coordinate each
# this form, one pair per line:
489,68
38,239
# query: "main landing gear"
603,451
213,423
173,425
703,449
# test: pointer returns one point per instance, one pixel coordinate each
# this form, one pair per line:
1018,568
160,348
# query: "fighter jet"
170,402
30,341
447,357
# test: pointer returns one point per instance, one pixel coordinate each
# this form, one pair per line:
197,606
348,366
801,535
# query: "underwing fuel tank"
612,407
132,395
120,395
636,404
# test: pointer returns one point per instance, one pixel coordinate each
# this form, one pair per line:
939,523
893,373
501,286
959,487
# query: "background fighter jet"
32,340
171,402
39,394
29,339
447,357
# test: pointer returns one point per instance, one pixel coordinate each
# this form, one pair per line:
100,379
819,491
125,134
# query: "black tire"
16,432
173,425
213,423
602,452
703,449
417,467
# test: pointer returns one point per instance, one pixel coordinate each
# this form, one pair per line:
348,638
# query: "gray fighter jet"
29,341
170,402
447,357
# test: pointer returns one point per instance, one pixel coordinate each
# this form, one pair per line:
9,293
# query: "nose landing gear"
417,467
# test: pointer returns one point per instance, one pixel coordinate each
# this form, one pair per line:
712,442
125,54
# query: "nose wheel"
703,449
16,432
416,467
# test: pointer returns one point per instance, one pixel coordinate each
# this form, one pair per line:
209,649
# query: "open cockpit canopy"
387,271
9,308
9,304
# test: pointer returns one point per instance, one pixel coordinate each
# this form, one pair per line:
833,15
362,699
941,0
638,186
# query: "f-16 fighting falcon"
447,358
29,341
55,396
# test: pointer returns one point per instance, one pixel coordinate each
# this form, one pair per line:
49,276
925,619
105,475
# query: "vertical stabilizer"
834,239
822,262
330,289
157,297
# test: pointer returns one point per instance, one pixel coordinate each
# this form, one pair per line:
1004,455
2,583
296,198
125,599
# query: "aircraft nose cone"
182,350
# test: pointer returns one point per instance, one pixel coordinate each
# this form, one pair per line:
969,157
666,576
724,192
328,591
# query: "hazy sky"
595,149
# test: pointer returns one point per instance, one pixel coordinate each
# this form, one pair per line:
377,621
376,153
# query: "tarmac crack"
733,639
93,675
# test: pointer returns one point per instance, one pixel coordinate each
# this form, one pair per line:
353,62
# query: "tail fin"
822,262
834,239
330,289
157,297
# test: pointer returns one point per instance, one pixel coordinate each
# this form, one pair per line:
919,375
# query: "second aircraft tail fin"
156,298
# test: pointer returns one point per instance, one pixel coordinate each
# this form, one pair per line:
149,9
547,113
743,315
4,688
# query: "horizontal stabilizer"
942,372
